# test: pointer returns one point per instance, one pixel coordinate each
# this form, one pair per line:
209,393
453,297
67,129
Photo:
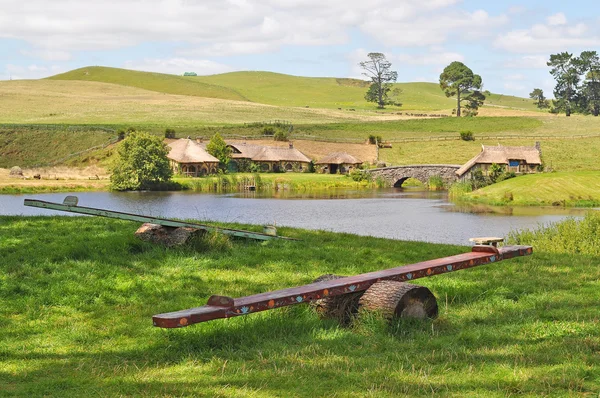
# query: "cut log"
398,299
168,236
343,308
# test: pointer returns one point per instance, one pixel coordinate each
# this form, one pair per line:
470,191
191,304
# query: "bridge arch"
396,176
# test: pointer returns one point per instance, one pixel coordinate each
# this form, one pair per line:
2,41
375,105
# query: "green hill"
283,90
164,83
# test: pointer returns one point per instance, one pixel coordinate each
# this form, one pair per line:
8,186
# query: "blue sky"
506,42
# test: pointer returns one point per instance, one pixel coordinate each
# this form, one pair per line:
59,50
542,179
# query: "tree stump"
343,308
398,299
168,236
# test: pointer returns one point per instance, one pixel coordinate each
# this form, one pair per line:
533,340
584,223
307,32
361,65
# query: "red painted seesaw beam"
226,307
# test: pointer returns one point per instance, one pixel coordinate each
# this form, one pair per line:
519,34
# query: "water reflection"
390,213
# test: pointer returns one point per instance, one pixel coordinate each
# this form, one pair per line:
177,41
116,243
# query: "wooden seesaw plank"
70,205
226,307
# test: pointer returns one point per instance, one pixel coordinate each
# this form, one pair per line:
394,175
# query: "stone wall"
422,172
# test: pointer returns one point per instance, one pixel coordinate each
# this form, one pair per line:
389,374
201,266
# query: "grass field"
282,90
567,154
580,188
28,146
76,319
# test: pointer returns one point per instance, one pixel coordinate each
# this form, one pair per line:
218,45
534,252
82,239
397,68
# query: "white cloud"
178,66
516,10
515,77
528,62
48,55
557,19
555,36
512,86
428,59
418,28
230,27
33,71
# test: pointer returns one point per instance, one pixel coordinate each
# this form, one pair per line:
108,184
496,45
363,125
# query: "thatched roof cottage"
190,159
270,158
517,159
337,162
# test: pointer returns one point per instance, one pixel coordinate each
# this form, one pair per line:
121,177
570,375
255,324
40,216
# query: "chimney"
538,146
291,145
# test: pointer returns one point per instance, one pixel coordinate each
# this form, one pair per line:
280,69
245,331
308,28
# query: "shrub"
569,236
360,175
269,131
219,149
280,135
435,183
467,136
496,170
169,133
142,163
375,139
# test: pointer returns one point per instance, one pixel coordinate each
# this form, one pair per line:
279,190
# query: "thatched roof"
501,155
261,153
339,158
186,150
275,154
245,151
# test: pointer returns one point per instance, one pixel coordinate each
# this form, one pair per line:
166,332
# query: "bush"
435,183
374,139
569,236
169,133
219,149
360,175
269,131
467,136
142,163
280,135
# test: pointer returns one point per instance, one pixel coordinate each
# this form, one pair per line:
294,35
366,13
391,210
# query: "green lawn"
282,90
580,188
77,295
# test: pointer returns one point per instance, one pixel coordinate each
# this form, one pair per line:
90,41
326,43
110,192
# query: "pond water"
391,213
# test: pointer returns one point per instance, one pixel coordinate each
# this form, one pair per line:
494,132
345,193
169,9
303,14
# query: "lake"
389,213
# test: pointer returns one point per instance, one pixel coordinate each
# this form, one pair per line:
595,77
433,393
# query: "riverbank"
81,303
573,189
76,180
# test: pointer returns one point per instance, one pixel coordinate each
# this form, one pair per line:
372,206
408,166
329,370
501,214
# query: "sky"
506,42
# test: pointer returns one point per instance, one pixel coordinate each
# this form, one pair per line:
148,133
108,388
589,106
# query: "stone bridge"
422,172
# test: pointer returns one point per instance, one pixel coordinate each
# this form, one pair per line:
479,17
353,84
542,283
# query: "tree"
457,79
372,95
590,91
377,68
566,71
219,149
538,96
142,163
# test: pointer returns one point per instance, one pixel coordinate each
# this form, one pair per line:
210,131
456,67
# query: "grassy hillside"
81,102
565,154
160,82
76,319
560,189
28,146
281,90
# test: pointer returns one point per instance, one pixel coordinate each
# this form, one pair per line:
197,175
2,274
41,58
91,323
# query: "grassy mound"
77,295
580,188
31,145
164,83
282,90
